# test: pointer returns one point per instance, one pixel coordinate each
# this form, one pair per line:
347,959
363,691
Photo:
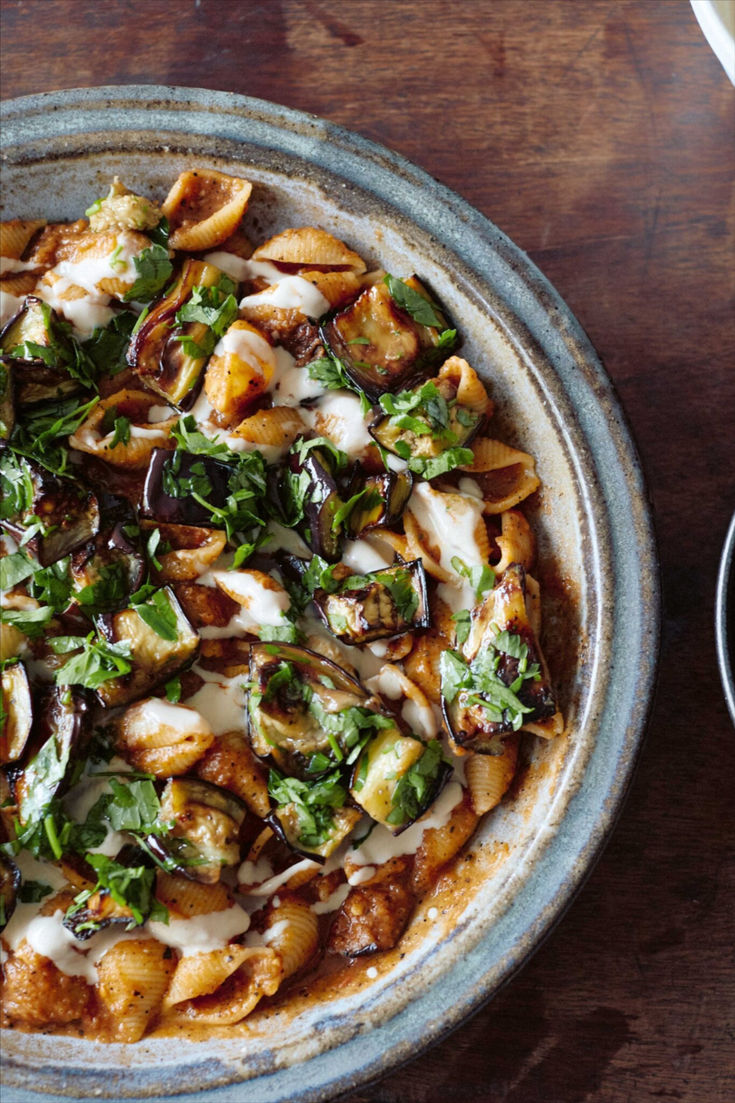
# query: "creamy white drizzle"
247,346
291,385
201,933
339,416
155,713
261,604
221,701
450,522
335,900
273,883
380,846
367,554
290,293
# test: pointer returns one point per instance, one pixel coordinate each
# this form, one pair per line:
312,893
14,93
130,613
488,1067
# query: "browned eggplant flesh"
497,683
391,333
205,823
378,605
17,709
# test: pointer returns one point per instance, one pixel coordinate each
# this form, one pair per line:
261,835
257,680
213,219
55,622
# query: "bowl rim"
32,124
724,601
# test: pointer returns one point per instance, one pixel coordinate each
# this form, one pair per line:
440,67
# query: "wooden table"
600,136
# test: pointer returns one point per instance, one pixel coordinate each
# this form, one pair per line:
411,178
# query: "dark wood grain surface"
600,136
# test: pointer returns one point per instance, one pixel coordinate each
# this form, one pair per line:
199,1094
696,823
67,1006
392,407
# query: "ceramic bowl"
725,618
600,578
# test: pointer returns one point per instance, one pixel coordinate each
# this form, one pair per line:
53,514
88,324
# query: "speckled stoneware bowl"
596,547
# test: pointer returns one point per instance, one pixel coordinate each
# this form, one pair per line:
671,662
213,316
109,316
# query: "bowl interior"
599,584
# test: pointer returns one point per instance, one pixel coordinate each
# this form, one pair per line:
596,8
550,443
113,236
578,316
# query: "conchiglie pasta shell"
440,844
201,974
15,235
293,931
489,776
307,246
516,473
133,977
517,543
337,288
422,664
469,388
137,451
277,427
187,564
551,728
163,749
231,764
18,283
205,208
189,898
114,286
258,973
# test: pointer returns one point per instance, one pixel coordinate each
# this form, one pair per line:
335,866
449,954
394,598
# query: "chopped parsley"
154,270
94,661
479,683
418,306
415,787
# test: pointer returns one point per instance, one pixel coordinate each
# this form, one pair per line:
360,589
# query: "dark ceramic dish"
725,618
594,529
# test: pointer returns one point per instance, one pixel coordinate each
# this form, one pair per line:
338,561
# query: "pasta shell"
517,543
277,427
515,471
231,764
469,388
337,288
489,776
144,436
223,986
189,898
165,746
440,844
15,235
239,371
293,931
19,283
550,728
133,977
185,564
205,208
307,246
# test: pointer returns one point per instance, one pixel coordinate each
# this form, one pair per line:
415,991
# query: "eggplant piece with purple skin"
286,824
17,708
107,570
96,913
60,732
171,479
7,398
379,344
423,422
156,353
383,502
312,477
154,658
499,682
9,886
36,356
378,605
282,725
205,836
397,778
67,512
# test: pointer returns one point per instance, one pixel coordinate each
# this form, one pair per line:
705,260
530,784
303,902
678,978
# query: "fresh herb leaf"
96,661
439,465
480,577
314,802
415,787
158,613
31,622
31,892
173,690
418,306
15,568
463,622
154,270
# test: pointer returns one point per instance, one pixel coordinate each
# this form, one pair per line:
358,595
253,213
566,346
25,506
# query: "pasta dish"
270,623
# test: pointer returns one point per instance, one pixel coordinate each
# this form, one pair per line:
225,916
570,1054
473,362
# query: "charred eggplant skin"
380,345
205,835
156,353
107,570
284,823
320,501
178,472
397,778
383,502
376,606
497,684
9,886
69,515
60,732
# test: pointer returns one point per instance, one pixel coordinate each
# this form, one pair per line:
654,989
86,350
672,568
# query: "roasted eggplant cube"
380,344
320,497
30,326
17,708
499,682
173,477
205,835
98,912
424,422
397,777
282,725
60,731
9,885
64,513
378,605
156,352
383,502
107,570
287,824
154,658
